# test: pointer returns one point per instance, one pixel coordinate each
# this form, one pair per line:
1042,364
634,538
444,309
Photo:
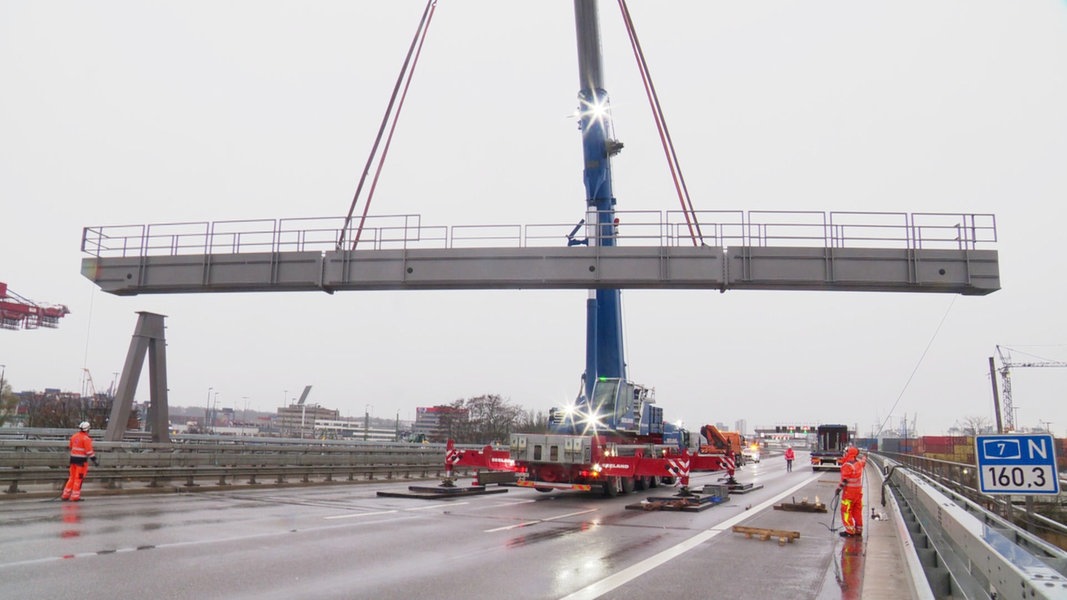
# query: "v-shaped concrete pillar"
147,337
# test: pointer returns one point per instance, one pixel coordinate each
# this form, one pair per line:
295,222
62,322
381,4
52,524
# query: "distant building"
434,423
298,420
354,429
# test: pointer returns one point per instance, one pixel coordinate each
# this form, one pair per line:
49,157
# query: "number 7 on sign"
1002,449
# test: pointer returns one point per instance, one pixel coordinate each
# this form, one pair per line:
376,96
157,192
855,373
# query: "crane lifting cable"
407,70
664,134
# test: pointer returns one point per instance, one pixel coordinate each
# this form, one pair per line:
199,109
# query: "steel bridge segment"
968,272
807,251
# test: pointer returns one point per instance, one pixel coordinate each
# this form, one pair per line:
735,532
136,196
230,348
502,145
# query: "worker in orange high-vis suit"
851,490
81,452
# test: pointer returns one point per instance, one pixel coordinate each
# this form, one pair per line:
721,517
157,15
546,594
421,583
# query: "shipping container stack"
1061,454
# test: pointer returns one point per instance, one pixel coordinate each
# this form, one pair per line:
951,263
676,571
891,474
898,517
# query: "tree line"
487,419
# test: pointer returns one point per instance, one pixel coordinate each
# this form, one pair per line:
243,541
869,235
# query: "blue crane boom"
608,401
604,348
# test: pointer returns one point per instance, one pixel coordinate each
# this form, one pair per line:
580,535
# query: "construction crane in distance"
17,312
1006,365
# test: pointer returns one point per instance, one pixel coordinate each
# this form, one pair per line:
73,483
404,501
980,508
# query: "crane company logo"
615,466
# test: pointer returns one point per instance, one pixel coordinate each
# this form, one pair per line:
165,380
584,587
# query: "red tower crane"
17,312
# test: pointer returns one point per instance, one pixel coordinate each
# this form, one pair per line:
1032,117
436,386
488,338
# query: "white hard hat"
84,426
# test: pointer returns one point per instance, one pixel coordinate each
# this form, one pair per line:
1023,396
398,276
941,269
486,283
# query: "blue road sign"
1017,464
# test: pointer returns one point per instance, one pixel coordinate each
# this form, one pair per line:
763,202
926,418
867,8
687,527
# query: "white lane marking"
535,522
191,543
596,589
438,505
389,512
366,514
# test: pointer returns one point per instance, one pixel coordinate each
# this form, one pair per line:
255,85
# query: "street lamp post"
207,409
3,371
366,421
214,410
303,415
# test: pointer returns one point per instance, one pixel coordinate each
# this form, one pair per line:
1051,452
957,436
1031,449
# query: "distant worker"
81,452
789,457
851,490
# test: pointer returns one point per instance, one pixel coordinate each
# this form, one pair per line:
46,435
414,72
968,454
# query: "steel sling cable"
392,128
661,126
404,71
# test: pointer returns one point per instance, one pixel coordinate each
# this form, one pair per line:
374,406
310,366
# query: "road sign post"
1017,464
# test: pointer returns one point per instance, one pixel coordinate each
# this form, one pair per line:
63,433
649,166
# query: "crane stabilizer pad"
743,488
442,493
802,506
694,503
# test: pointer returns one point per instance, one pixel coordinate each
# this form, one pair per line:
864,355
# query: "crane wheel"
628,484
612,487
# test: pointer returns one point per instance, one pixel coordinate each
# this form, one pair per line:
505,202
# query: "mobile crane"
613,437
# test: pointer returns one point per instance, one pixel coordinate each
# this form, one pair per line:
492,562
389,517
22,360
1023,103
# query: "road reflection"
71,520
848,568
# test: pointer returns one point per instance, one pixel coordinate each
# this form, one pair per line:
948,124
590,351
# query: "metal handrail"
963,231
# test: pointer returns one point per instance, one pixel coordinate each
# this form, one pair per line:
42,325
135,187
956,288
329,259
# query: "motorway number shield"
1017,464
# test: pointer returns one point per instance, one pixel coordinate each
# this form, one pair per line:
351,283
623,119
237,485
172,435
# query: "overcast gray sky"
151,112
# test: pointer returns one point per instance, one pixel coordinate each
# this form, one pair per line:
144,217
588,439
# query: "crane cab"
615,406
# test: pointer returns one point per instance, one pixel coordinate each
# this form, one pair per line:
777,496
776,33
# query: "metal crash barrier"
219,463
967,551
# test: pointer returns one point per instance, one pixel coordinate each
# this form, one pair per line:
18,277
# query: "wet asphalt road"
344,541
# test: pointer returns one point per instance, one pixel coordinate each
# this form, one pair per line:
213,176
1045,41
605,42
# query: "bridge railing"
971,552
226,461
958,231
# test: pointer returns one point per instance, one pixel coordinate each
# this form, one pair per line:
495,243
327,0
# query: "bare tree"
9,403
975,425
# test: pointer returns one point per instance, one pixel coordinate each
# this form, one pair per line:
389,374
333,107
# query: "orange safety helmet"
851,453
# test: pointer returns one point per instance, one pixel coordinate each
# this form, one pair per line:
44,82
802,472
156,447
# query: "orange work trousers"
73,489
852,512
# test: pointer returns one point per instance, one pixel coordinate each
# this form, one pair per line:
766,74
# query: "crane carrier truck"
613,438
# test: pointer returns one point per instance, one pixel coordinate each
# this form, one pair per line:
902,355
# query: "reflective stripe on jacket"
81,446
852,474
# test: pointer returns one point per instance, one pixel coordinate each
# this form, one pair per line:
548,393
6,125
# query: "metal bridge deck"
738,251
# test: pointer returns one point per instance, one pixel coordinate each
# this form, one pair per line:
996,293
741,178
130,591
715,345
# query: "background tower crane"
1006,365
